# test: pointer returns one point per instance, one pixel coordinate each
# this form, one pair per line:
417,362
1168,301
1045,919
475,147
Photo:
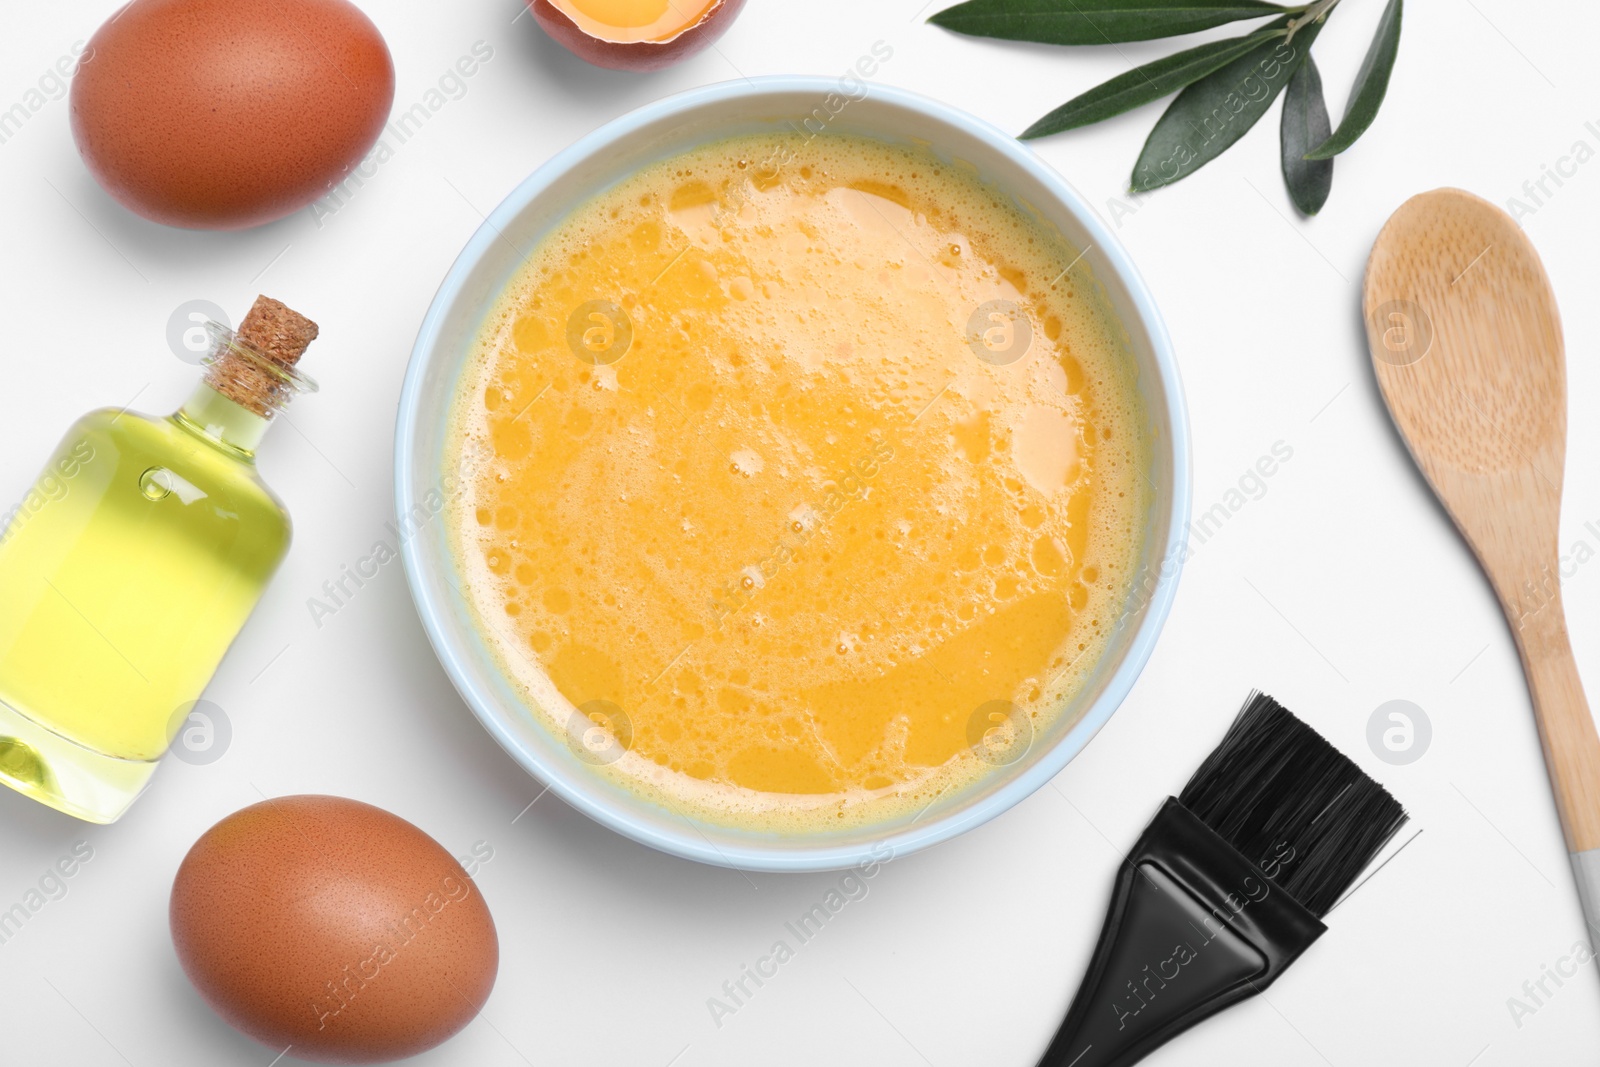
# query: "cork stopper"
254,368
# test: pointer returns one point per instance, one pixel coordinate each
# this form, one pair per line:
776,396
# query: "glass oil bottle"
130,566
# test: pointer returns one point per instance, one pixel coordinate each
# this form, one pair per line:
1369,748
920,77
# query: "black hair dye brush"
1226,886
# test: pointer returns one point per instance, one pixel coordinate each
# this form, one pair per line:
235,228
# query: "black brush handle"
1193,927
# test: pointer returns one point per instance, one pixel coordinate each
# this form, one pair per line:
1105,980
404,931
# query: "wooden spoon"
1466,343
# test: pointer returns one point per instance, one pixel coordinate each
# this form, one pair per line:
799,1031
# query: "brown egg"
222,114
335,927
635,34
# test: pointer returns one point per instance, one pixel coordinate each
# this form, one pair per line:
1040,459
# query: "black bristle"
1292,804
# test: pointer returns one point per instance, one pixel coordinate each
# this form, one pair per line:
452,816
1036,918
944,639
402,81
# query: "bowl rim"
690,843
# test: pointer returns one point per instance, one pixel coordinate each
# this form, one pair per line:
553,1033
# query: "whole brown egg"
335,927
222,114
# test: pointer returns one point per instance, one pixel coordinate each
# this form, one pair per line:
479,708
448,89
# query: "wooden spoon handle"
1566,729
1567,733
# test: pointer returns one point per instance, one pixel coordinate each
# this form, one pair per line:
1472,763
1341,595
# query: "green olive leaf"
1214,112
1372,82
1150,82
1305,123
1095,21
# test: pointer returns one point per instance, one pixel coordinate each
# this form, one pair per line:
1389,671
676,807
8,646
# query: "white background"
1342,587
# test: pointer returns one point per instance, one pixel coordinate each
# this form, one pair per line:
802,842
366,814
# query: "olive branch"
1223,87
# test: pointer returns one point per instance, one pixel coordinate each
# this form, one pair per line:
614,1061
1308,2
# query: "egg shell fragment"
636,55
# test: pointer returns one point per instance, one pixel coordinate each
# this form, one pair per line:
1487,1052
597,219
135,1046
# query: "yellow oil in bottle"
125,574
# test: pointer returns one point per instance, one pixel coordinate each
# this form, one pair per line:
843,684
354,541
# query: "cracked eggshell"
635,55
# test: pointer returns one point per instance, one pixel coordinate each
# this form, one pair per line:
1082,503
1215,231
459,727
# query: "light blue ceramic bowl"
780,105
